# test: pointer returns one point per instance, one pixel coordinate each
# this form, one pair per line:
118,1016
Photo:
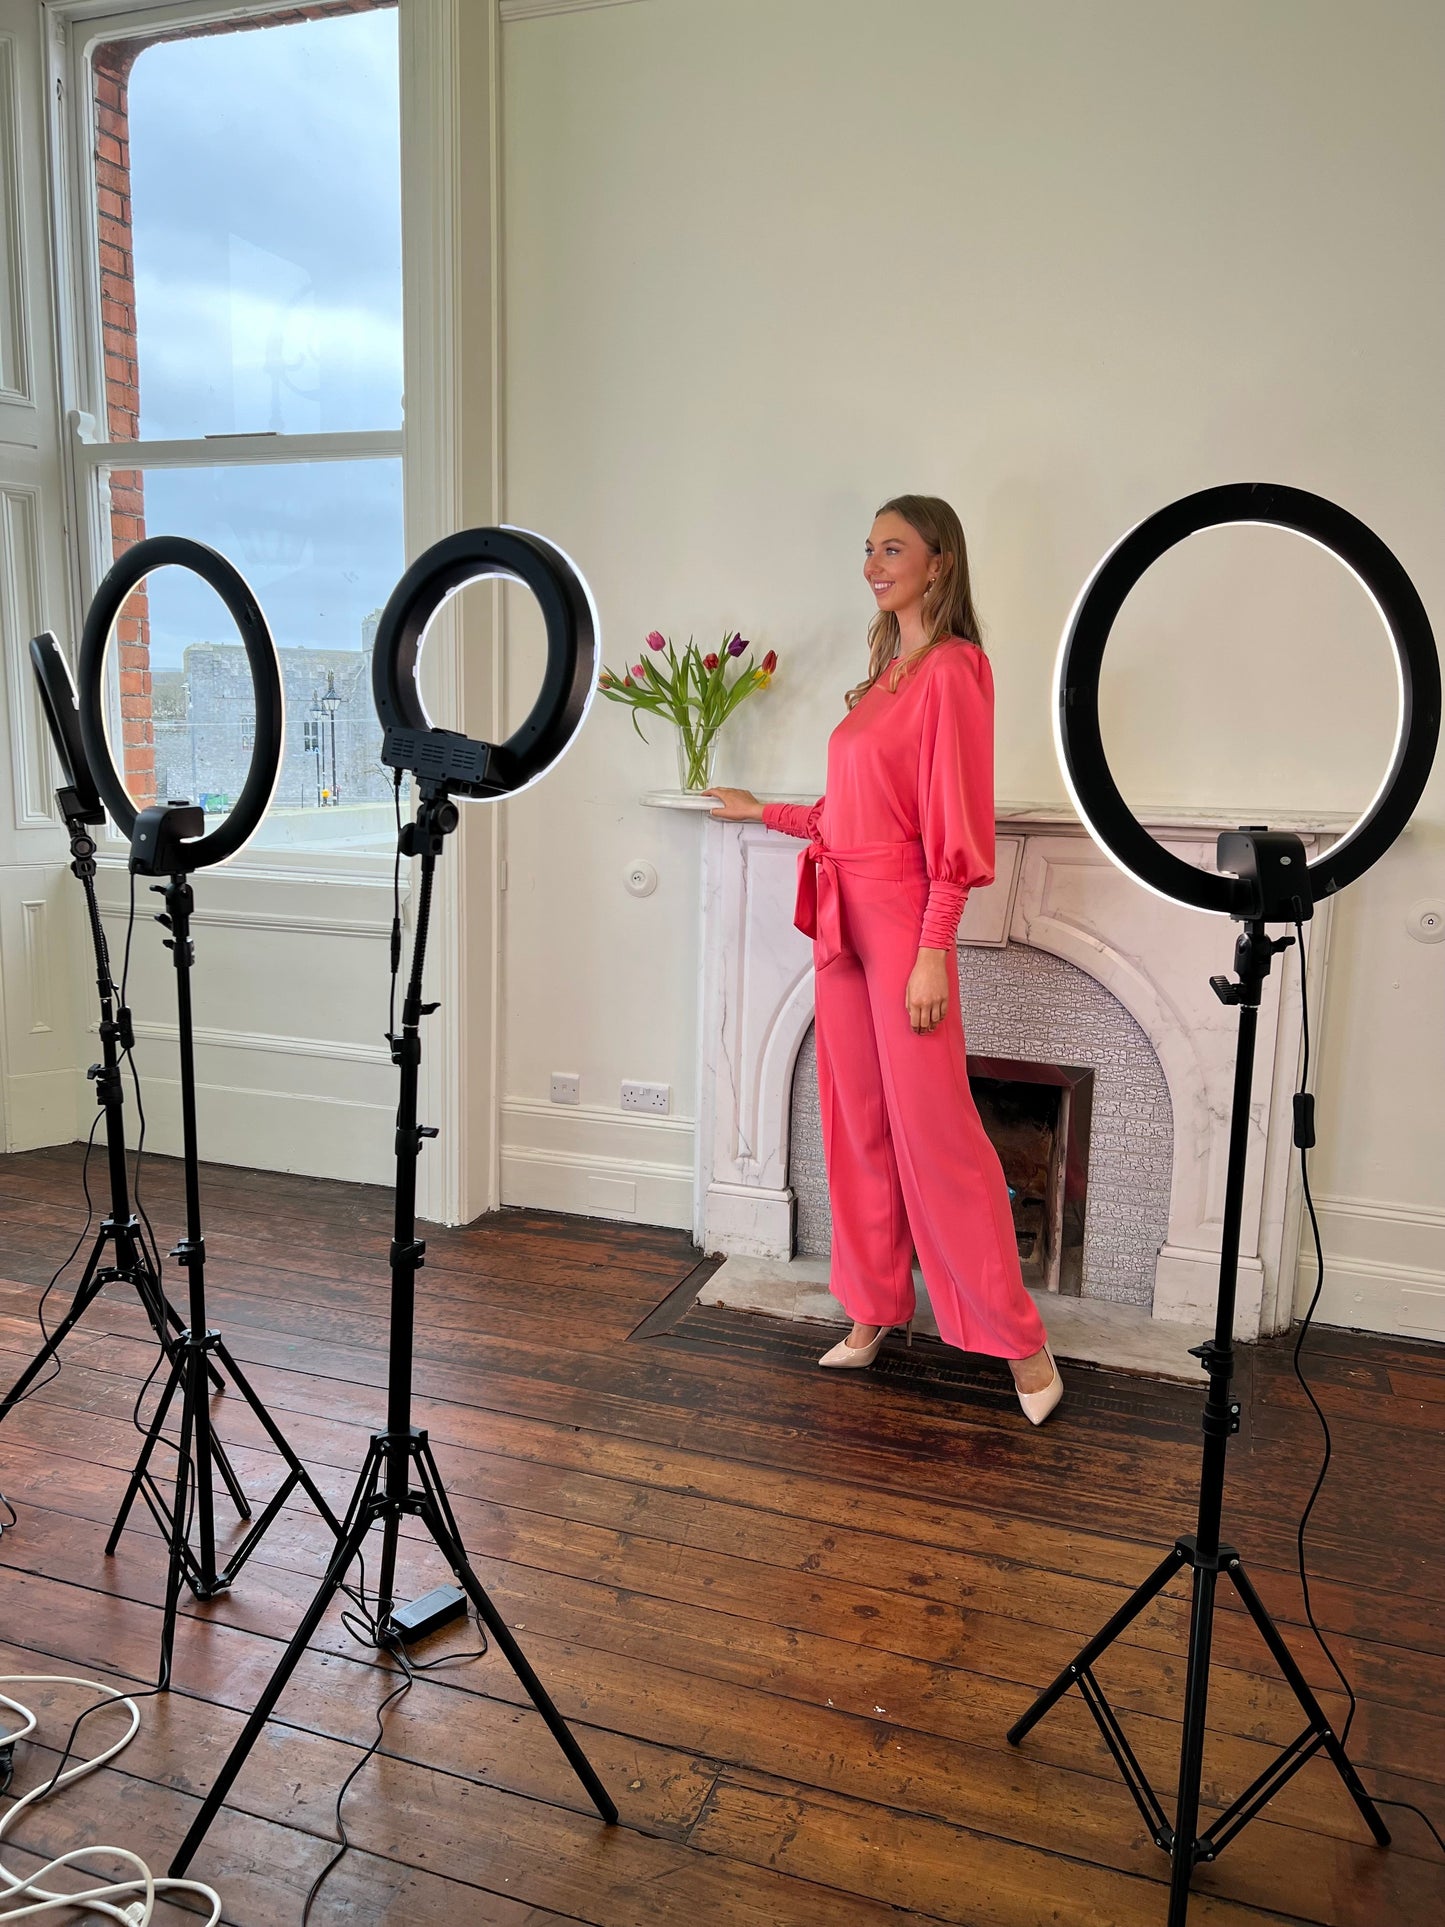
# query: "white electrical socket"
566,1087
645,1097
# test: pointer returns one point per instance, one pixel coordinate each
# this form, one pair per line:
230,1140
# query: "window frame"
78,27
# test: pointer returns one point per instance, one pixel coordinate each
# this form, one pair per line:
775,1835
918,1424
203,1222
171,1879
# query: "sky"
267,237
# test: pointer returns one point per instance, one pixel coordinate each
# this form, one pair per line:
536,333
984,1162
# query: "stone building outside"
205,724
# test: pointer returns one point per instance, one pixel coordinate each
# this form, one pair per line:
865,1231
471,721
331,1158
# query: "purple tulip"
656,641
737,646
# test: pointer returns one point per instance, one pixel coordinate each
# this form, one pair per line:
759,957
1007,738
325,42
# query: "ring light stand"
400,1476
130,1262
169,840
1265,878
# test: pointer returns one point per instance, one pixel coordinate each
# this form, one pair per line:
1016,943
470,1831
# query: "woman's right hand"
736,806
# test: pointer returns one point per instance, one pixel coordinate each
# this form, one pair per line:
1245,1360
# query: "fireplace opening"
1038,1119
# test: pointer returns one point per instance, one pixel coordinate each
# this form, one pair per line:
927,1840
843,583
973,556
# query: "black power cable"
364,1627
1304,1137
55,1277
128,1053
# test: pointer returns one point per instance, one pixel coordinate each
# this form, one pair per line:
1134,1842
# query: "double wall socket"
646,1097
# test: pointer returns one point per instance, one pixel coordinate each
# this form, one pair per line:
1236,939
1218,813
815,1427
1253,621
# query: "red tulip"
770,661
656,641
709,663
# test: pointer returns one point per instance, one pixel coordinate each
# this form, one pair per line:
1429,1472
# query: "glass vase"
696,751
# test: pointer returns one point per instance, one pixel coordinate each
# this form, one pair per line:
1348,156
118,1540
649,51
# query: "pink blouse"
915,766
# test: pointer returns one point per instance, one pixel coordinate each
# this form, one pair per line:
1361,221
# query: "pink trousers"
910,1166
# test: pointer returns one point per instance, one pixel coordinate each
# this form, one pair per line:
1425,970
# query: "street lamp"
313,744
331,702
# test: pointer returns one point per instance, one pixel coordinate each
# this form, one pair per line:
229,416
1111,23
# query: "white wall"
767,261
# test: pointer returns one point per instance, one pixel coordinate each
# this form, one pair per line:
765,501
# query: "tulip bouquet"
696,692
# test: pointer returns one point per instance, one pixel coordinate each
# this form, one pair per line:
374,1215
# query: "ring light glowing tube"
1078,742
264,771
443,759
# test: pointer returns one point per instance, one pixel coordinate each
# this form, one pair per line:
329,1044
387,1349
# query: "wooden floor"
790,1614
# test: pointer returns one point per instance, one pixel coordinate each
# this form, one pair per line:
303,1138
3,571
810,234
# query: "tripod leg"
198,1416
228,1475
1104,1638
453,1552
166,1320
278,1439
1191,1750
48,1350
179,1547
1300,1686
85,1293
361,1516
153,1433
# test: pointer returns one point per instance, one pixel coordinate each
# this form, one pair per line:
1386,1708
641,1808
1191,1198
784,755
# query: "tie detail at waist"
818,912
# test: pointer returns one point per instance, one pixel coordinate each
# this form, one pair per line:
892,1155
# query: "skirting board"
47,1107
321,1137
1384,1266
595,1187
1376,1297
1090,1330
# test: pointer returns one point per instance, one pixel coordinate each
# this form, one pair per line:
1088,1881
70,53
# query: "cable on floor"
1304,1137
365,1628
129,1901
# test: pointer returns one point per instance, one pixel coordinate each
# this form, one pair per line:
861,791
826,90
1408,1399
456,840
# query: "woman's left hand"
926,997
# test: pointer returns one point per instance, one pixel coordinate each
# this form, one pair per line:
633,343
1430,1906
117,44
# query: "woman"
905,831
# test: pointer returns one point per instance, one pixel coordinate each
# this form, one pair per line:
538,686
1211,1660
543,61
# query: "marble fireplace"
1064,961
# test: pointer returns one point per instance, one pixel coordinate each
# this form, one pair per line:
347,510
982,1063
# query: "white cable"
144,1885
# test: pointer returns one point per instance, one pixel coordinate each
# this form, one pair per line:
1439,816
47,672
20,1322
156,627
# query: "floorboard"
789,1615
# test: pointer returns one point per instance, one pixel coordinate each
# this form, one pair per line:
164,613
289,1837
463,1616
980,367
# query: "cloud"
320,543
265,177
218,359
266,215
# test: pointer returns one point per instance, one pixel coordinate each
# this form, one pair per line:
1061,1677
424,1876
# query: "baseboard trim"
45,1107
598,1187
1384,1267
323,1137
1376,1297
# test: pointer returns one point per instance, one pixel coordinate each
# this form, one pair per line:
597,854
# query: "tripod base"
399,1476
131,1265
1185,1847
190,1375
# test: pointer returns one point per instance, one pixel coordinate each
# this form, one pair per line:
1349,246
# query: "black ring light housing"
443,760
239,825
62,716
1076,691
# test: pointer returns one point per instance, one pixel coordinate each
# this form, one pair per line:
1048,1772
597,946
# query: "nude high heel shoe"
848,1357
1038,1405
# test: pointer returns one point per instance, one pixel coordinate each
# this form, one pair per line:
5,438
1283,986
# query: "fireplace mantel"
1054,891
1061,817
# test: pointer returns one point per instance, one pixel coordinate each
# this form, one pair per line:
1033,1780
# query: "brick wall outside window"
111,67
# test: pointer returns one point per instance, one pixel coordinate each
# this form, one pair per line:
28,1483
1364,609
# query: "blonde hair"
949,609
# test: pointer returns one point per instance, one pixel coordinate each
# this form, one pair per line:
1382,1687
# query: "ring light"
1079,743
179,551
443,758
62,716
